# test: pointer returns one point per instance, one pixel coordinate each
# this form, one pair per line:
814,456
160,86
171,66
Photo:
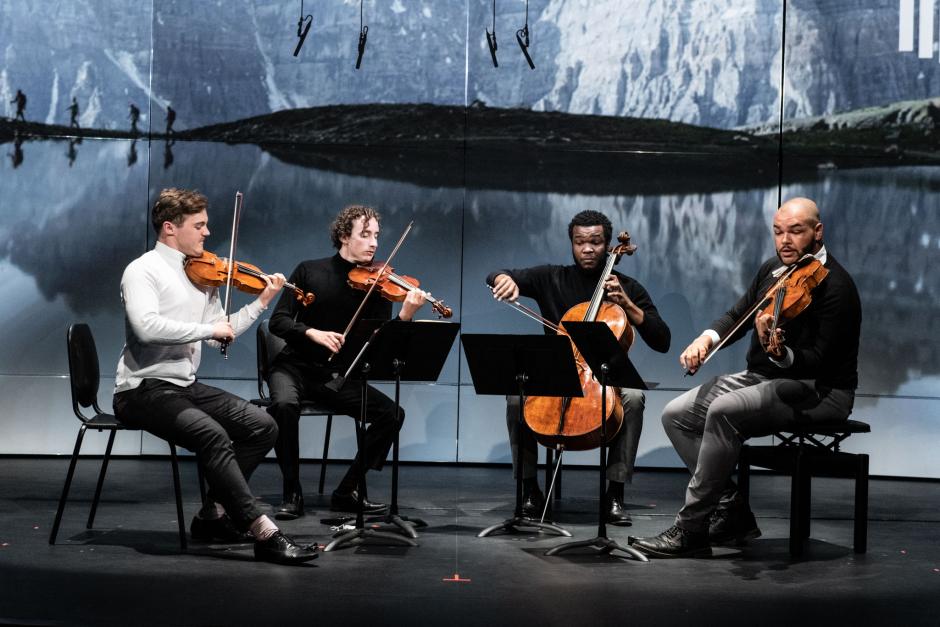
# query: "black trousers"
229,435
293,380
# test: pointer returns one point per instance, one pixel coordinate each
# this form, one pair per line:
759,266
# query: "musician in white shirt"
166,319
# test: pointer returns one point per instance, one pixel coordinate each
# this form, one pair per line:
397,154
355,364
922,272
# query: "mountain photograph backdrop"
685,121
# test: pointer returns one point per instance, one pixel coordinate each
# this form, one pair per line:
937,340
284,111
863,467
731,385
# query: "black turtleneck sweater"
557,289
332,310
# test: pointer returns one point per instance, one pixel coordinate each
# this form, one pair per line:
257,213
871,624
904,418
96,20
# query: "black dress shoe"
291,509
280,549
217,530
732,525
616,514
675,542
533,503
349,502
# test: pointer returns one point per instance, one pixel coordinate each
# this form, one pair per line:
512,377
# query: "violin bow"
747,316
365,298
236,216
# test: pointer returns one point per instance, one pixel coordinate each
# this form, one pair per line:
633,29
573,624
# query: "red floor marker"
456,579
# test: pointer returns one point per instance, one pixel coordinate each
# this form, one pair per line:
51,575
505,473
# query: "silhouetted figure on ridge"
73,113
20,101
170,118
134,116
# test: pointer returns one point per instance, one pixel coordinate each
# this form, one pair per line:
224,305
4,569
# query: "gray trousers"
708,424
621,452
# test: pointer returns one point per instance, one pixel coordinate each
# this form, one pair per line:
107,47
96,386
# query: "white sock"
262,528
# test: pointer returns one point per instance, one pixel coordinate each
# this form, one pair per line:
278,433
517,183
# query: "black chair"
269,347
84,378
810,450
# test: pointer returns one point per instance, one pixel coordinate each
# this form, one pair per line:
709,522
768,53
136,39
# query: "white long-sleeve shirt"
166,317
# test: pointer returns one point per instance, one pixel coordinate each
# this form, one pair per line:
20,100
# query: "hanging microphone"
491,43
302,30
522,36
363,35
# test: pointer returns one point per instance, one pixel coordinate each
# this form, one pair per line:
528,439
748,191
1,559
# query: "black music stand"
408,351
355,352
610,364
522,365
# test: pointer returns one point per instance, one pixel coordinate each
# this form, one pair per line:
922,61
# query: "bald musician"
811,377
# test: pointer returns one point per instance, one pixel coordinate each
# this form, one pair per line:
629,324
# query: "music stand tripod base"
355,537
602,544
518,523
404,523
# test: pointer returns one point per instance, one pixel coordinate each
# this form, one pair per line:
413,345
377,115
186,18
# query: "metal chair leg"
861,505
68,484
806,492
201,478
179,497
796,502
744,474
326,451
101,474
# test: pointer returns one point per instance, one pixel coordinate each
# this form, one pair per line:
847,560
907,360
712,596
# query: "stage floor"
129,569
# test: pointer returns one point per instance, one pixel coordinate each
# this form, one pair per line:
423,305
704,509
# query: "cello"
574,423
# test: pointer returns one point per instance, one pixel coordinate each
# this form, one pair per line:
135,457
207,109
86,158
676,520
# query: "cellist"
556,289
808,373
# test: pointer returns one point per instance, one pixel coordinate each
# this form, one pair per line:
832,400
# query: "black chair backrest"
269,347
84,375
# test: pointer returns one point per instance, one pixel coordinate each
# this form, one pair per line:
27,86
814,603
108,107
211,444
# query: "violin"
789,296
212,271
574,423
394,287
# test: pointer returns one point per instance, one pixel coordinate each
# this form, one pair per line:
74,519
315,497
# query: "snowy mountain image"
713,63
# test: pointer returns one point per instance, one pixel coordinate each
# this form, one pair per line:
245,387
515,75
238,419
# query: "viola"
394,287
575,423
212,271
789,295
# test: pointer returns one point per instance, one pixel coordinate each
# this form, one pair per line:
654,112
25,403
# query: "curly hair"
174,205
591,218
343,223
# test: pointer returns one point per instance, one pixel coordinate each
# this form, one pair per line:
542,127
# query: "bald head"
797,230
803,209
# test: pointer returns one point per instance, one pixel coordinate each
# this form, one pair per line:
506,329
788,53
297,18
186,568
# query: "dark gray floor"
129,570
